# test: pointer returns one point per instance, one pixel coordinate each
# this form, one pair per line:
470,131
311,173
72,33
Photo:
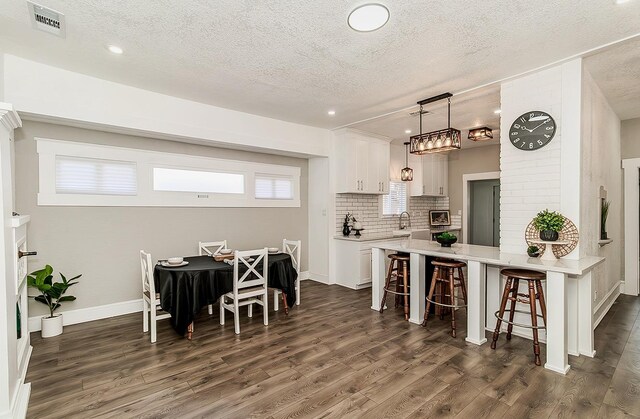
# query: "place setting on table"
187,284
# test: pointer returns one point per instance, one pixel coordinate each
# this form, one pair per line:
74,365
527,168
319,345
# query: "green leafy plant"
533,249
604,213
447,236
549,221
51,293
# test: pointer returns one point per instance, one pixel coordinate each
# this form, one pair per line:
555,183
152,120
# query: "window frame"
146,160
406,200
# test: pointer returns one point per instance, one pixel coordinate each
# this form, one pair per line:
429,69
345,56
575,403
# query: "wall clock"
532,130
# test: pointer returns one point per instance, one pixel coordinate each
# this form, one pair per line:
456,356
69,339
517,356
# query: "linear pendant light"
435,141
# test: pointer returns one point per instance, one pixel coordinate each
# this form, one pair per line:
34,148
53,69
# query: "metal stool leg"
386,286
503,304
512,309
534,322
434,280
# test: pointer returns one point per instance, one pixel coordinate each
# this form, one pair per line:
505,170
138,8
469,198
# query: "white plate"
275,253
168,265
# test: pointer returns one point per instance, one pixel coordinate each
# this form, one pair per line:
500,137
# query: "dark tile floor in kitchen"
331,357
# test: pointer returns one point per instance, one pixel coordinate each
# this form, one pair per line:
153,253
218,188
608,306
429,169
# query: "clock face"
532,130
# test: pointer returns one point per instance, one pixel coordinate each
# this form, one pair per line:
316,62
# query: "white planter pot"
51,326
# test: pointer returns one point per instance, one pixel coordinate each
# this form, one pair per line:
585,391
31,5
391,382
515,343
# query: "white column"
585,316
476,295
557,351
418,290
377,277
572,315
494,292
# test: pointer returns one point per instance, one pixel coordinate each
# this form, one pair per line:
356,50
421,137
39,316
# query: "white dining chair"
249,288
150,299
211,249
292,248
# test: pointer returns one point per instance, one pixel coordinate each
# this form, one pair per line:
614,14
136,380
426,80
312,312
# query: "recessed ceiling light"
115,49
407,131
331,113
368,17
622,1
497,111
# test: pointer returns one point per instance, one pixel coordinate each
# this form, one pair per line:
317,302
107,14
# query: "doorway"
484,212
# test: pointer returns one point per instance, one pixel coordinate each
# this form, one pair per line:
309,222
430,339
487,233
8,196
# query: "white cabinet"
361,163
433,176
353,262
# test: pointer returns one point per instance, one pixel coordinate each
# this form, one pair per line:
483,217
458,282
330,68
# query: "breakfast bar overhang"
569,290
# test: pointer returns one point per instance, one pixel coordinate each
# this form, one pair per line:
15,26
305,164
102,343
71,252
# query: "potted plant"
446,239
52,295
549,224
533,251
604,213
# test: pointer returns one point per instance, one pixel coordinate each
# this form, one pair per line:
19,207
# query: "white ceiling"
296,59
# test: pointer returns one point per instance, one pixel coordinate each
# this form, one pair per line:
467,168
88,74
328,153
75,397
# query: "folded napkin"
230,261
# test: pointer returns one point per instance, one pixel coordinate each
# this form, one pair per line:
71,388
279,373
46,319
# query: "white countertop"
371,237
492,256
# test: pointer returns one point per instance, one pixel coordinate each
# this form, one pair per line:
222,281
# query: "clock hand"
538,126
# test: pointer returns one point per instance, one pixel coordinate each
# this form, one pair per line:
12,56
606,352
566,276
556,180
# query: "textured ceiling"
296,59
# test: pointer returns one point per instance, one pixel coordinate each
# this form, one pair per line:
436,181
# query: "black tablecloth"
185,290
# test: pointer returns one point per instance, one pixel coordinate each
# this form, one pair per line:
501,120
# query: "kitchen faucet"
404,226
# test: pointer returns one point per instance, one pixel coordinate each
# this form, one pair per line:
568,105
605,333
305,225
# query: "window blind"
395,202
80,175
273,187
179,180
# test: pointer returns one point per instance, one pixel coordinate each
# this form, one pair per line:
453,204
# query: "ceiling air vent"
46,19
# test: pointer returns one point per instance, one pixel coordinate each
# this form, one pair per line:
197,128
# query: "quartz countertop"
371,237
493,256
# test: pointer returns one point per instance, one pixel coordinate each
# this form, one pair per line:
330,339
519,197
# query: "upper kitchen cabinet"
432,175
361,162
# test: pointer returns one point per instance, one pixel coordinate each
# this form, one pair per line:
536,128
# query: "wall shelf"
604,242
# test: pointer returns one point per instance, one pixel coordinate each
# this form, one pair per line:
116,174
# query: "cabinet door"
444,174
415,188
365,266
382,167
430,185
361,164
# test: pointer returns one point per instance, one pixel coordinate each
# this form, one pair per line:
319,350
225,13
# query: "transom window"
179,180
78,175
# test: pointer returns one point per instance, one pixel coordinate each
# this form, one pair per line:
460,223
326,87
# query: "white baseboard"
88,314
324,279
304,275
604,306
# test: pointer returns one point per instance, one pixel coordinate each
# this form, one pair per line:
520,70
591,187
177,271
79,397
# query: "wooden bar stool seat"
442,291
512,294
398,269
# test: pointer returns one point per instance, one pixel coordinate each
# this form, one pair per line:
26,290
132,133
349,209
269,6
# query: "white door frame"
631,181
466,179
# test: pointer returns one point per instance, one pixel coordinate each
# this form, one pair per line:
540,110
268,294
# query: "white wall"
630,136
319,225
600,154
531,181
51,93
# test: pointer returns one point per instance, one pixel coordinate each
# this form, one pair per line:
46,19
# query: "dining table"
185,290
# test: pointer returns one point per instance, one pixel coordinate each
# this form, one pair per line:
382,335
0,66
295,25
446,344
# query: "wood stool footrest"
528,326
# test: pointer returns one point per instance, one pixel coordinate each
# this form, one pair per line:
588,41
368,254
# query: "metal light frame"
406,175
480,134
436,141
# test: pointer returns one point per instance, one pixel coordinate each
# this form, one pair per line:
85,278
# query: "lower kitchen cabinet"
353,262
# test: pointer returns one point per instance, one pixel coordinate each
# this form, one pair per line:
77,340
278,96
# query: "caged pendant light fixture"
406,175
435,141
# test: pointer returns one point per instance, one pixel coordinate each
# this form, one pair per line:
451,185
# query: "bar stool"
400,265
444,281
511,293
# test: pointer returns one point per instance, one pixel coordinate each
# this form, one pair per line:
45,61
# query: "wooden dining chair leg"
153,323
543,304
250,310
284,303
236,316
512,307
298,290
405,276
145,315
210,309
534,323
432,289
386,286
503,304
451,302
222,302
463,285
265,309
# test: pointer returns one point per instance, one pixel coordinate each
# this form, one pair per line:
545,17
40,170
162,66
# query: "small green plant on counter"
447,236
549,221
51,293
533,249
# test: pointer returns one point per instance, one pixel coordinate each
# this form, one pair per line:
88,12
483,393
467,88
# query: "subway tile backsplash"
367,210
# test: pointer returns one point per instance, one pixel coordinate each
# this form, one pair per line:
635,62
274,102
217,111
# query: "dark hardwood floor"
331,357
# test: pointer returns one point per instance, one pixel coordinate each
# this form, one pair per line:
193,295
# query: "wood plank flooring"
332,357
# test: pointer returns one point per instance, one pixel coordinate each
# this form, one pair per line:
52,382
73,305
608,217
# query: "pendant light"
406,175
436,141
480,134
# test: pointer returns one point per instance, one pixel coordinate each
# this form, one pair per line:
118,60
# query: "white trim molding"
9,117
631,185
83,315
604,306
466,179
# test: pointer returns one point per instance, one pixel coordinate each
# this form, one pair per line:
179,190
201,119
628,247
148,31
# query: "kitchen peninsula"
568,292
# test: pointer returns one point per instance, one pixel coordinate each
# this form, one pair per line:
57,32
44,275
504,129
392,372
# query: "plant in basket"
549,224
